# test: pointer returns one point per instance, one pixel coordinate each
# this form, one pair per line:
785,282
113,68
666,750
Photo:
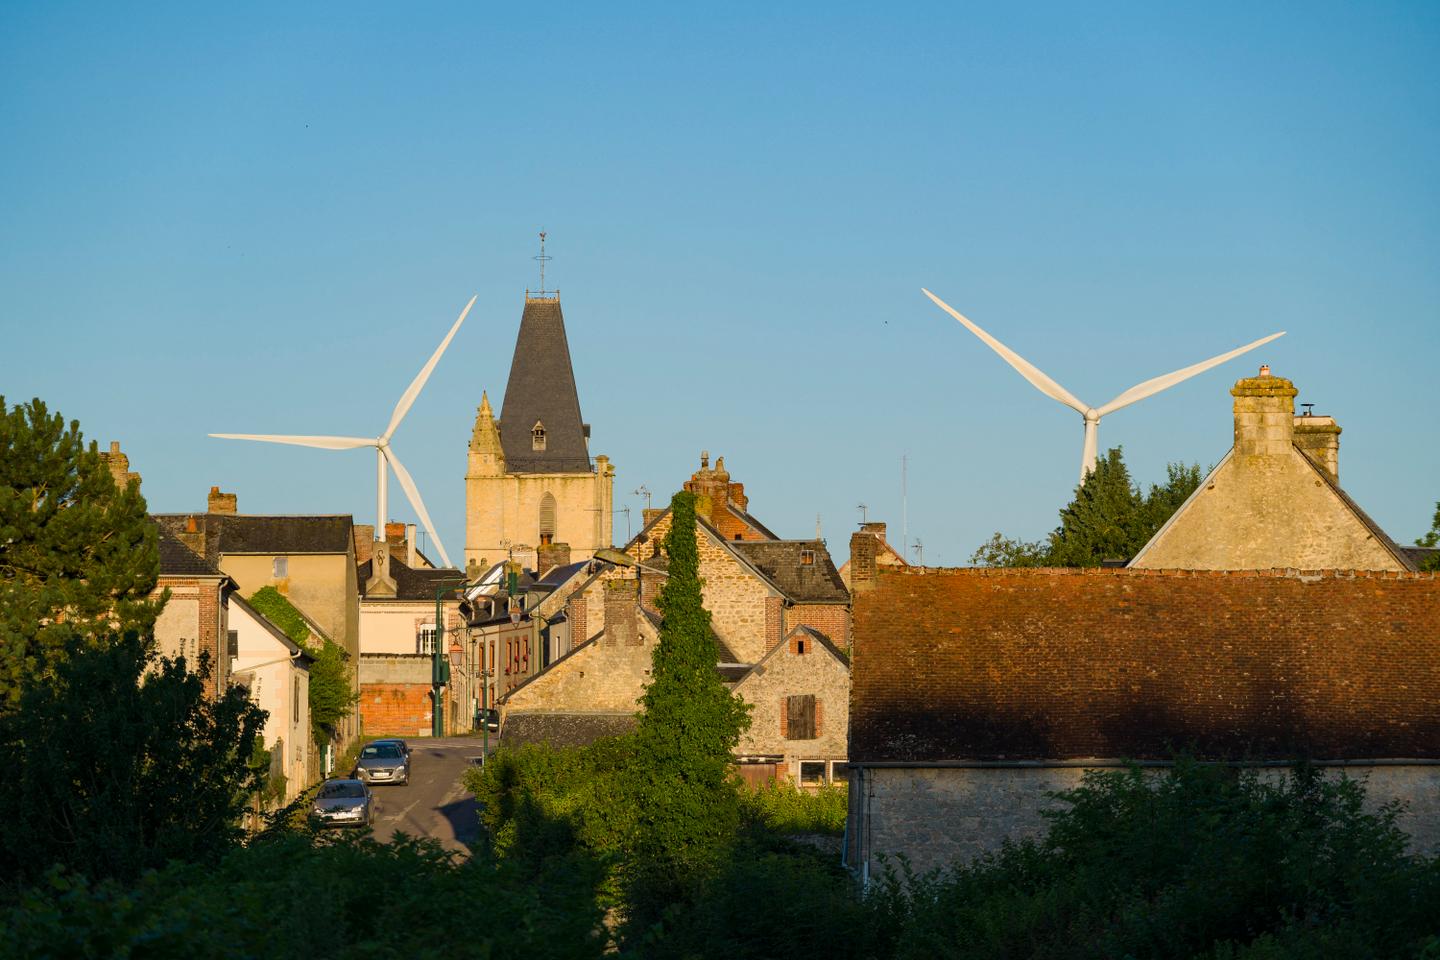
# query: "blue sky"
260,218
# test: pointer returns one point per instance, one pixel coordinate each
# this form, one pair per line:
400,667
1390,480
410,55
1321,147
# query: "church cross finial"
543,260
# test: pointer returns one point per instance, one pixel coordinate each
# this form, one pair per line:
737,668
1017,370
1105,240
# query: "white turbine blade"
324,443
1022,366
408,397
413,495
1151,387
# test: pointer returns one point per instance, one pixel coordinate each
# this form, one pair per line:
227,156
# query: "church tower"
531,487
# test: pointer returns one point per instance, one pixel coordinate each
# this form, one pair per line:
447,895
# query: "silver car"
343,803
383,761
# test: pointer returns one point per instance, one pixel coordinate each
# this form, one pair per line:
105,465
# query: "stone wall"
502,513
595,677
938,815
192,623
785,673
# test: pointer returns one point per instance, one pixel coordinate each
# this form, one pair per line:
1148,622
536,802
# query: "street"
434,803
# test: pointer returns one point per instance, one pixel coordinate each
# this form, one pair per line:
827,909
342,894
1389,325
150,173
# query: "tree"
1431,539
78,554
331,695
119,762
680,777
1108,519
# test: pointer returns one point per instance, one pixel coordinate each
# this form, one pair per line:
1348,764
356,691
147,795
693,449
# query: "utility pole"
440,664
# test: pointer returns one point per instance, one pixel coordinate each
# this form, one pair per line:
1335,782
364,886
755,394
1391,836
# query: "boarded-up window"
798,717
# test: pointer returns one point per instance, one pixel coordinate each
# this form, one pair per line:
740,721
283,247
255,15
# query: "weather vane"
543,260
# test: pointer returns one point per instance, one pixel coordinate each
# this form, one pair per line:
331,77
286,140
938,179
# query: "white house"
277,672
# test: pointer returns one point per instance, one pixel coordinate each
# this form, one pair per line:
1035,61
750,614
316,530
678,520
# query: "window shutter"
800,714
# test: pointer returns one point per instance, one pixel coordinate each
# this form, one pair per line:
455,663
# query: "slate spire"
541,429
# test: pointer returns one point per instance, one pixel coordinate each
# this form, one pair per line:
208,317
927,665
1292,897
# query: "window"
295,716
232,643
537,436
280,568
425,638
547,518
812,773
839,771
798,717
807,557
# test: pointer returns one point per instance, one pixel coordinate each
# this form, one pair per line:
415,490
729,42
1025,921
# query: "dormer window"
537,436
807,557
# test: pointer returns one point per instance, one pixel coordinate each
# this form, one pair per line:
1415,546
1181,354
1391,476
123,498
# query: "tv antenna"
864,512
626,511
919,552
643,491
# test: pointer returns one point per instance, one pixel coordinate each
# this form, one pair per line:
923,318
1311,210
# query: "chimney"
193,536
875,528
649,515
1318,437
219,502
863,549
119,465
551,555
620,612
1264,415
410,558
394,532
364,536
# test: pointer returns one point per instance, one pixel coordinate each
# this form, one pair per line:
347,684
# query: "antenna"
626,511
817,527
904,498
1309,409
864,512
919,552
643,491
543,260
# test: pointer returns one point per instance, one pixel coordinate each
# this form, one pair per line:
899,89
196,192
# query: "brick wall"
831,619
397,708
193,624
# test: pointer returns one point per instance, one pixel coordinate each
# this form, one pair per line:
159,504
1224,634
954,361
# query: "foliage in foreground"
120,762
1109,518
783,808
287,896
78,555
1431,539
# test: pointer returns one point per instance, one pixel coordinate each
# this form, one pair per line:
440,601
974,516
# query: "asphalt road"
434,803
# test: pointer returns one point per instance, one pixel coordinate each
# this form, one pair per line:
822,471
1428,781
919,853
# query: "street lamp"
440,663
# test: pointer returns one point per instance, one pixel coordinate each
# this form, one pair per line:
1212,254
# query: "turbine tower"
1091,414
384,456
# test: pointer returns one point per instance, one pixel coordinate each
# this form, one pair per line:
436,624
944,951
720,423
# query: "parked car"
404,747
383,761
343,803
490,719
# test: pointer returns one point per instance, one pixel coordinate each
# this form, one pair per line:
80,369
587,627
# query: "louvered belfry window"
537,436
547,517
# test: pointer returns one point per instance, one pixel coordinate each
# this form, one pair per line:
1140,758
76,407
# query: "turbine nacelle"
1091,414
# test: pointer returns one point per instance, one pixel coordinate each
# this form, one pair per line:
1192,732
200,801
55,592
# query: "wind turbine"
383,453
1091,414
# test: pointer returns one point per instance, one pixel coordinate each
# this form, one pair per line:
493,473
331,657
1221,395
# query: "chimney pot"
1264,369
219,502
410,558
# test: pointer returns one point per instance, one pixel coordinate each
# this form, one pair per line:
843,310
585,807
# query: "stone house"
976,692
1274,500
309,559
530,480
195,620
780,617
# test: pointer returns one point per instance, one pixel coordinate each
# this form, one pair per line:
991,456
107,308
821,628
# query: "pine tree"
78,554
1104,519
681,782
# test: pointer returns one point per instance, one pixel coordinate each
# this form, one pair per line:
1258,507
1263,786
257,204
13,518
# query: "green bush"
785,808
285,897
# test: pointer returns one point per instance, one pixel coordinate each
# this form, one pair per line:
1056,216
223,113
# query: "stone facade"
936,816
1273,501
194,623
804,665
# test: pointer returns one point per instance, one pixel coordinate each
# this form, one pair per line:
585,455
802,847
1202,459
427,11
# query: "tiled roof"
1044,664
247,533
750,521
542,388
723,651
411,584
781,562
564,729
178,560
1418,555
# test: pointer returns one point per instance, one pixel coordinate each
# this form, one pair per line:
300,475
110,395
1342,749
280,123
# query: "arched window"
547,518
537,436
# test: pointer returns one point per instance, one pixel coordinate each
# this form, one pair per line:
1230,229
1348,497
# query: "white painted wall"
279,685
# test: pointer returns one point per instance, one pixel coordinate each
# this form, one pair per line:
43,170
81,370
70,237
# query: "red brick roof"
990,664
